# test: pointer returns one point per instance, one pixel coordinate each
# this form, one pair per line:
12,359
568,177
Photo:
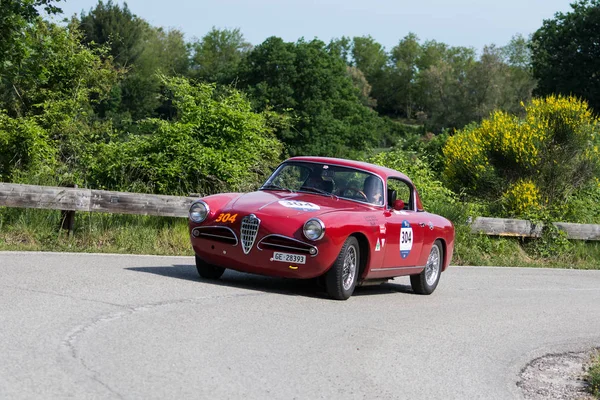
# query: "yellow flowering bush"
523,198
548,154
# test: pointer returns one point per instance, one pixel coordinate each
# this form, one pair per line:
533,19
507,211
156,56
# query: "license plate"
289,258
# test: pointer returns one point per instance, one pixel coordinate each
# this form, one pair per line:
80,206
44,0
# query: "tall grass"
38,230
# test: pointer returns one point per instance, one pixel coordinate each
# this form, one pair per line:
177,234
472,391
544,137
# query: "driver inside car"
373,189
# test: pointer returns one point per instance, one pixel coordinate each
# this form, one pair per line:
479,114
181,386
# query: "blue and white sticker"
299,205
406,239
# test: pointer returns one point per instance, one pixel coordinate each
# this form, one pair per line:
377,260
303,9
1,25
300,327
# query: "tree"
364,89
215,58
305,80
443,85
142,51
405,57
115,26
50,123
518,87
370,57
16,16
566,53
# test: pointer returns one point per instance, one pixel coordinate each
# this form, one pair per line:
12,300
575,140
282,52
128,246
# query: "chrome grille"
248,231
284,243
217,233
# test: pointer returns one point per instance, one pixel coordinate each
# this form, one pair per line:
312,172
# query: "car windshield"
327,180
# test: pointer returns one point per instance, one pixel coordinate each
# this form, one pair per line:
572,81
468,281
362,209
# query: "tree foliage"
215,143
142,51
15,16
304,80
216,57
566,53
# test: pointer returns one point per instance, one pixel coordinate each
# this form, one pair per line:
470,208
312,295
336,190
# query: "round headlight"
199,211
314,229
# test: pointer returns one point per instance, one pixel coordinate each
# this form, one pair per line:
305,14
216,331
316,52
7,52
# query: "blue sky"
472,23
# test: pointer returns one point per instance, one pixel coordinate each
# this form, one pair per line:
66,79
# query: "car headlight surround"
314,229
199,210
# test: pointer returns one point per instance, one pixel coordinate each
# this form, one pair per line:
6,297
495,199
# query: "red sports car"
350,222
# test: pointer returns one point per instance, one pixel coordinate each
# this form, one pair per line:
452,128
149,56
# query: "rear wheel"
208,271
341,278
428,279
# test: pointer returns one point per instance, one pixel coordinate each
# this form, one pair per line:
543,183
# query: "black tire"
420,283
208,271
340,282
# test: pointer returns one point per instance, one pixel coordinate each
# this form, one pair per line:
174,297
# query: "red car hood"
286,205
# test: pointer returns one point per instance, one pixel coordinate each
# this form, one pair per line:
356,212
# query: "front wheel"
428,279
341,278
208,271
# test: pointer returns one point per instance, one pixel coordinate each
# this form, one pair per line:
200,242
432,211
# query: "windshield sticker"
299,205
406,239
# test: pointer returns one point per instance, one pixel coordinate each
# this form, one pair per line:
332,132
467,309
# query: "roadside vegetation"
107,101
593,377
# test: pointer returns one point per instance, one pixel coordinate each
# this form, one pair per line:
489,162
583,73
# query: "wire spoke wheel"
432,269
349,271
341,278
427,281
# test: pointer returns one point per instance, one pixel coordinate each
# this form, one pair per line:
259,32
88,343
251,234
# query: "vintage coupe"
349,222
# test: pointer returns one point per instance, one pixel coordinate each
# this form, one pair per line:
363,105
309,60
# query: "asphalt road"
133,327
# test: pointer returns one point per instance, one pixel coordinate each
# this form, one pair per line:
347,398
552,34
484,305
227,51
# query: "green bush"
584,206
215,143
531,164
24,147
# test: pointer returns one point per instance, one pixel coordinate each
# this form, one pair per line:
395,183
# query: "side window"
403,192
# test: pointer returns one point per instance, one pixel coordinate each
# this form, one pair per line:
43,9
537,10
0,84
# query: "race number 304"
406,239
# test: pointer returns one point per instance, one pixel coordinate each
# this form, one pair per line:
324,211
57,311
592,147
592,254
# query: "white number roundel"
406,239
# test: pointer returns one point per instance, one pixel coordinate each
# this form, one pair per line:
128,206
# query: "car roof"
384,172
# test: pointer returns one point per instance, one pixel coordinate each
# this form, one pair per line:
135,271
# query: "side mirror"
398,205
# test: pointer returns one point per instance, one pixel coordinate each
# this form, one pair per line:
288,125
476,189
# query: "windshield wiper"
276,187
316,190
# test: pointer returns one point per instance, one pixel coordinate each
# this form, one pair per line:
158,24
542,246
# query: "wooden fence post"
67,217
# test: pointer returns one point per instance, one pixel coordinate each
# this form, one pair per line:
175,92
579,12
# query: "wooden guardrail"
74,199
523,228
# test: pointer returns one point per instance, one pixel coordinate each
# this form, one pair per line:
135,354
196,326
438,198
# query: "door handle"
422,224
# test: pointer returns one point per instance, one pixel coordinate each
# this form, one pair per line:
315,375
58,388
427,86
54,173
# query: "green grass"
593,377
470,249
37,230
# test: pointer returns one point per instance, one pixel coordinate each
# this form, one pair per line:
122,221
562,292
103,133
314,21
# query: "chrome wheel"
432,268
349,270
341,278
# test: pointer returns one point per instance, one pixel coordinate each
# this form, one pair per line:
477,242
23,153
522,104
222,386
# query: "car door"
404,229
